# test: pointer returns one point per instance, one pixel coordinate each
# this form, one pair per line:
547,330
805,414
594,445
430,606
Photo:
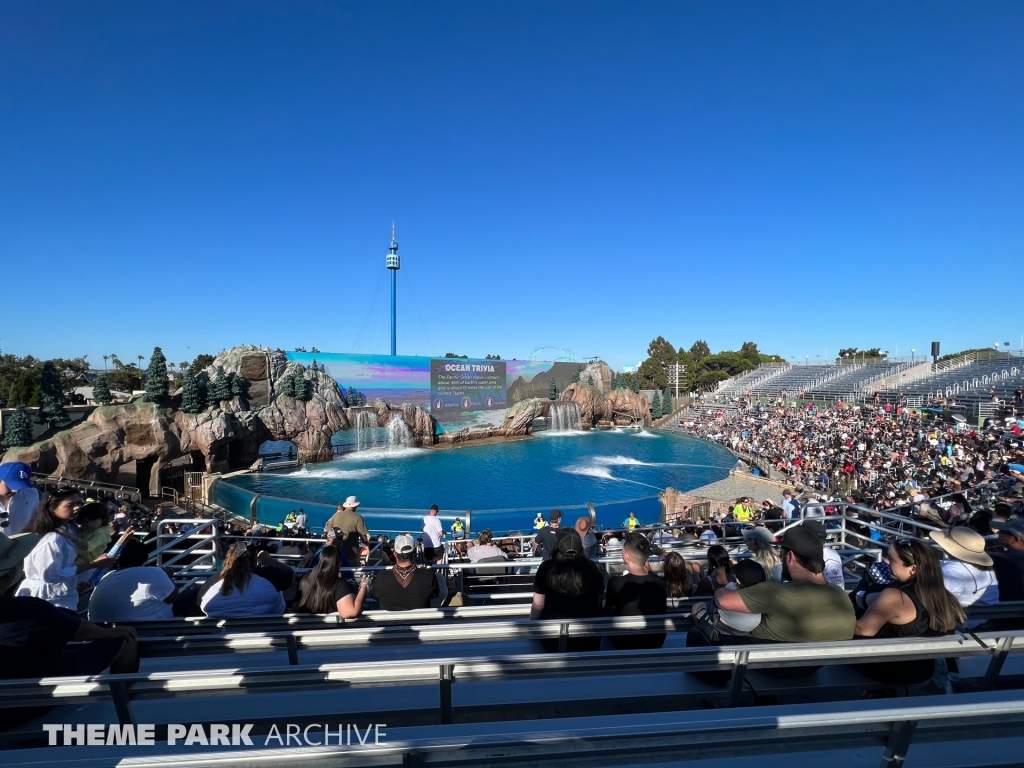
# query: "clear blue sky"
585,175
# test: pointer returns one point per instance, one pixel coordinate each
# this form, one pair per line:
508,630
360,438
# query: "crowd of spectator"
882,456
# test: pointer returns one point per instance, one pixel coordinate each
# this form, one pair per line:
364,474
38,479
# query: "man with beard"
804,608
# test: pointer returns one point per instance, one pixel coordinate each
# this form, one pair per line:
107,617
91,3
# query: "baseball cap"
803,541
556,515
1014,526
18,476
815,527
787,492
405,544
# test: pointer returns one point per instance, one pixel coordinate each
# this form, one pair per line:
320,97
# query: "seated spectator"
35,638
13,550
324,590
18,498
968,573
485,548
761,543
1008,565
747,574
50,570
134,591
238,591
335,538
719,572
405,587
93,533
916,604
637,592
833,562
802,609
679,581
568,586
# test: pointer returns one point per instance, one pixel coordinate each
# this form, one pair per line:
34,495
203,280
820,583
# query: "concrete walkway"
734,486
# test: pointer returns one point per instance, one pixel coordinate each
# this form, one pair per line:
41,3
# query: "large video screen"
456,391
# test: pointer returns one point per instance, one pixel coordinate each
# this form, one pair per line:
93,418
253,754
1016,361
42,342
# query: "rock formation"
222,437
519,418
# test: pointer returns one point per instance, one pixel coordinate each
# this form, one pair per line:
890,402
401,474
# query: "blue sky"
582,175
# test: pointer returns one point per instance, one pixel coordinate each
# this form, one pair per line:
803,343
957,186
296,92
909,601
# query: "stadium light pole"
393,264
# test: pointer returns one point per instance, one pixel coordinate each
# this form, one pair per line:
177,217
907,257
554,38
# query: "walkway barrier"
252,694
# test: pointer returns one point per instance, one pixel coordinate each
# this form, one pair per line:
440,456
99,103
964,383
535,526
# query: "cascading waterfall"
367,434
564,416
399,435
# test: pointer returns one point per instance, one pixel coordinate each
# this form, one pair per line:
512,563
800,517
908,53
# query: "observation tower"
394,264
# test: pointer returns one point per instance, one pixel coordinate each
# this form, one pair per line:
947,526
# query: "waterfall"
367,435
399,435
564,416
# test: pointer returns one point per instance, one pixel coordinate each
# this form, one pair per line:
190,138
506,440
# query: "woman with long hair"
325,590
568,586
50,569
240,591
917,603
678,576
719,571
761,543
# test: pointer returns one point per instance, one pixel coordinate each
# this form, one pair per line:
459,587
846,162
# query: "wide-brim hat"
964,544
351,502
14,549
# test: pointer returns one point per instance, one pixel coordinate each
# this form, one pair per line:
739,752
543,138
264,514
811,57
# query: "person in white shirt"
968,574
486,548
134,591
18,499
50,570
239,591
302,520
433,531
833,562
789,506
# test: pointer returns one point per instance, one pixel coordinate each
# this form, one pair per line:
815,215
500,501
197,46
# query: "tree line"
703,369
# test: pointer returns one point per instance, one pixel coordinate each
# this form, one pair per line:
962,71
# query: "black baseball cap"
804,542
814,527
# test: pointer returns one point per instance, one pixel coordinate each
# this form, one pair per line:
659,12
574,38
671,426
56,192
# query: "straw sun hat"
964,544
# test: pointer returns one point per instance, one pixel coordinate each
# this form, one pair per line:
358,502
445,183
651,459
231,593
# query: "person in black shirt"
405,587
325,590
638,592
544,543
568,586
34,638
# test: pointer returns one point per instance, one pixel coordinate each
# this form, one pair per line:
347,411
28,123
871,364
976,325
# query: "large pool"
504,484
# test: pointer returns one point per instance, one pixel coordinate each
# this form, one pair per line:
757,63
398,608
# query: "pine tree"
156,377
666,401
101,392
552,390
51,396
576,377
191,395
303,388
220,390
636,383
203,387
590,380
656,406
237,385
313,366
18,429
351,399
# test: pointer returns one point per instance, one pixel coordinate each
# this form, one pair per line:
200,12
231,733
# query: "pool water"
504,484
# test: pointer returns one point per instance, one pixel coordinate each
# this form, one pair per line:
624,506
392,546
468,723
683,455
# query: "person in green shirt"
804,608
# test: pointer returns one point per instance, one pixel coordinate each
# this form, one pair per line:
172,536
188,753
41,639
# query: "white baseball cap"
405,544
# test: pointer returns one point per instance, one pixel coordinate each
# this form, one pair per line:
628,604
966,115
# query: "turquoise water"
505,484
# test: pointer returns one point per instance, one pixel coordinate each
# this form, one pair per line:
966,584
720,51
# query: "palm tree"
105,358
183,365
